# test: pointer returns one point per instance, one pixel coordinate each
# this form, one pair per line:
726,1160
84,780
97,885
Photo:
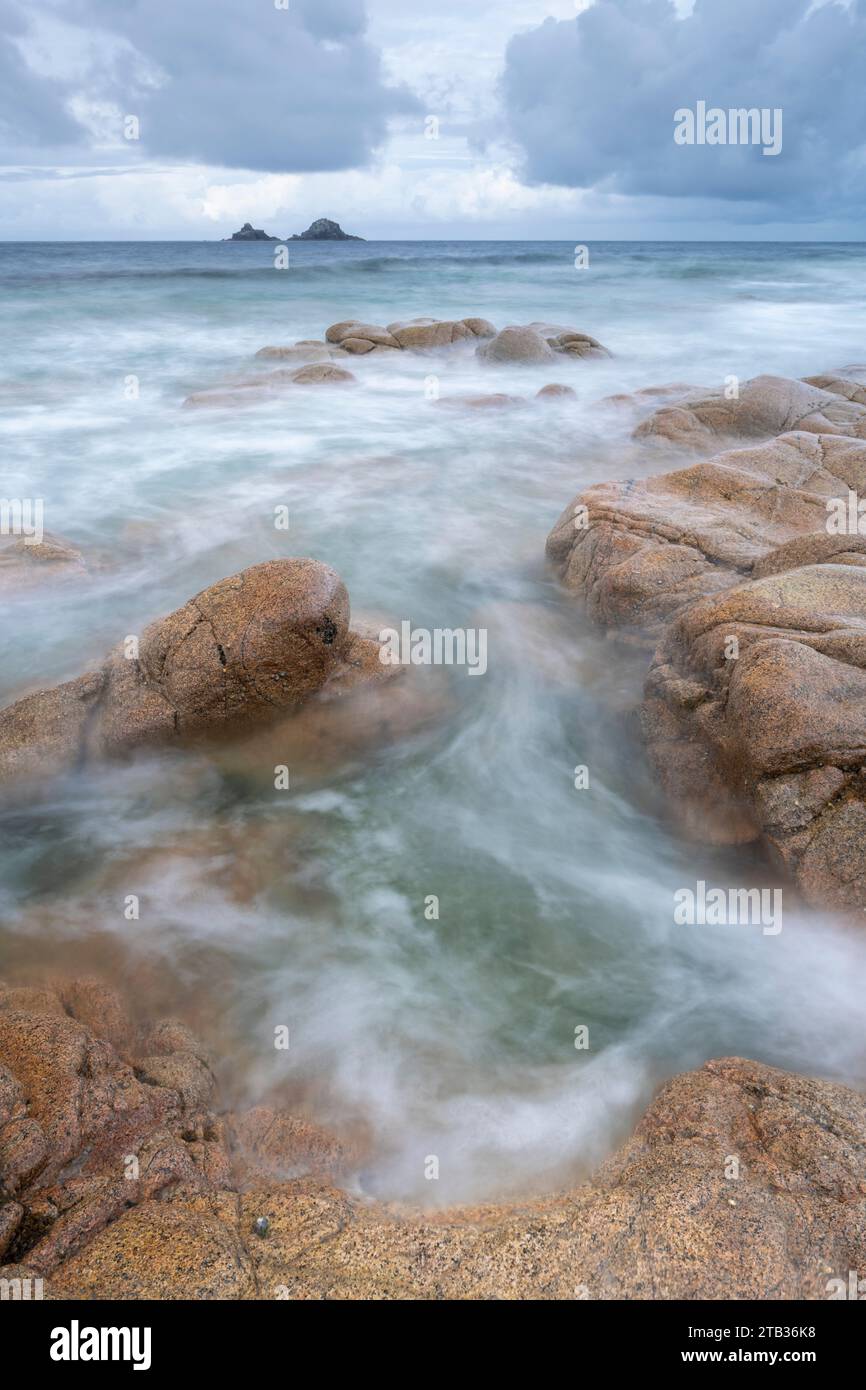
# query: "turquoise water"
452,1037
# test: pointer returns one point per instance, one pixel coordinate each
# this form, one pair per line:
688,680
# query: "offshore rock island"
323,229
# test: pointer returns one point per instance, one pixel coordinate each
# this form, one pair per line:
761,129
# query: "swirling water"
452,1037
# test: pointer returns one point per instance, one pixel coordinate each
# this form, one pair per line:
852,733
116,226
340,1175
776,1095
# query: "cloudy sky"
463,118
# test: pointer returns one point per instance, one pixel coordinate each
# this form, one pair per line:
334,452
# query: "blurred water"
452,1037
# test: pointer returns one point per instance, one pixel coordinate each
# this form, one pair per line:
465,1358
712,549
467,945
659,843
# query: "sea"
440,942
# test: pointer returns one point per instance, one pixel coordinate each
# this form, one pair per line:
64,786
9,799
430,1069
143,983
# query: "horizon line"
371,241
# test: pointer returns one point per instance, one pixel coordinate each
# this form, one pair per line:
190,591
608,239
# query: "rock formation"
250,233
639,550
25,563
763,407
323,229
256,390
539,342
120,1178
755,704
418,334
251,646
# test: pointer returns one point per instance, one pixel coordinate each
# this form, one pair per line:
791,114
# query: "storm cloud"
591,100
253,86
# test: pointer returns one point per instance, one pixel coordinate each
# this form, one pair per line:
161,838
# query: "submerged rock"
495,401
298,352
267,386
553,390
26,563
318,373
255,644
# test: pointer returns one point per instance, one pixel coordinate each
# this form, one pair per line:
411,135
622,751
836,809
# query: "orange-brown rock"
755,706
553,390
418,334
638,551
251,646
761,408
497,400
538,342
662,1219
759,694
26,562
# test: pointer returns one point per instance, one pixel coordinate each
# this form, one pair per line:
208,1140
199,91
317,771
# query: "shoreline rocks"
539,342
120,1178
238,654
763,407
417,335
754,708
351,339
315,373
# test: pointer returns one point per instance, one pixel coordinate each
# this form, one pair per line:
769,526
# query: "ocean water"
452,1037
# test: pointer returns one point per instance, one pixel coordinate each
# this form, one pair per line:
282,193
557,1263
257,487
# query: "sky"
549,119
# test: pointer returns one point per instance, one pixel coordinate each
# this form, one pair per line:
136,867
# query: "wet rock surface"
27,562
539,342
754,710
759,409
143,1190
251,646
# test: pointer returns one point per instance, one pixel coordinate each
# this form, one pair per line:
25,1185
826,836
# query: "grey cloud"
239,85
591,100
32,111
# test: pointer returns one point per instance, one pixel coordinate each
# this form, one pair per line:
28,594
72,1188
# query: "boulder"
81,1111
755,705
764,407
319,373
438,334
516,345
249,647
638,551
263,388
340,333
539,342
569,341
849,382
413,334
26,562
555,390
760,693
